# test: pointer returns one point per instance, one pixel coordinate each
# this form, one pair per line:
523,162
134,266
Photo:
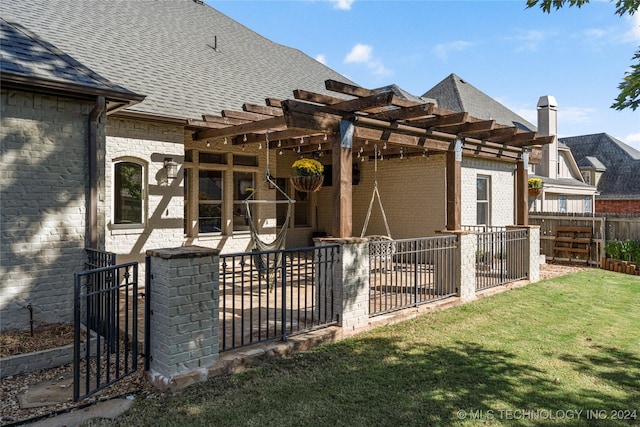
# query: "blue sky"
513,54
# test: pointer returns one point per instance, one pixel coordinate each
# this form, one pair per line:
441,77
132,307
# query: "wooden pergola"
361,118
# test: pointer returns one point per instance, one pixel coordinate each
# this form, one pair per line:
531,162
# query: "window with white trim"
562,203
483,192
128,193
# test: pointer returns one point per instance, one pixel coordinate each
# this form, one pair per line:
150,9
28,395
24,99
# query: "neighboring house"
611,165
82,174
563,187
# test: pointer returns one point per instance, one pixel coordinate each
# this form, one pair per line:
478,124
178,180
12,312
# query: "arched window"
128,193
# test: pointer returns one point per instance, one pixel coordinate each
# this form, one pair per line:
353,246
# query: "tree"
629,96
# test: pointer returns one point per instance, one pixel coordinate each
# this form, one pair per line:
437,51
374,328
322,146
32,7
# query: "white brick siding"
43,198
501,199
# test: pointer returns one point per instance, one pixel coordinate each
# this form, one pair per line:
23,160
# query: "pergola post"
341,159
454,186
522,191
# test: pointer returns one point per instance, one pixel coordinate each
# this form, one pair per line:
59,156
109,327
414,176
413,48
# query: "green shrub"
628,250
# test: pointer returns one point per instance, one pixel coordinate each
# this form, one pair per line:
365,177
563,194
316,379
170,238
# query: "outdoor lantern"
171,167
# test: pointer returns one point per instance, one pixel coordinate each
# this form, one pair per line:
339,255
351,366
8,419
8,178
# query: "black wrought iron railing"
273,294
405,273
501,257
108,351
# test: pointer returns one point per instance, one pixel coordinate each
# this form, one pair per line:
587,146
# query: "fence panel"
501,257
405,273
548,224
273,294
105,302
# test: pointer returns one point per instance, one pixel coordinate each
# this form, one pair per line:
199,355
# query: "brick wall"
146,143
501,178
412,192
43,198
618,206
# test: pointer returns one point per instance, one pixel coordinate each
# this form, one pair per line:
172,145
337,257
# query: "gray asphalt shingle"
24,54
187,58
458,95
622,177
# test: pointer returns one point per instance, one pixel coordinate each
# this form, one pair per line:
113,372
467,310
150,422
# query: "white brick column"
534,253
466,265
184,296
351,283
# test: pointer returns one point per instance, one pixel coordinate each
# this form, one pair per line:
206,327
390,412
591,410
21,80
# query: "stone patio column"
184,297
351,283
465,264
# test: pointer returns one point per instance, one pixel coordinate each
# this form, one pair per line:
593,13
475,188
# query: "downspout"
91,240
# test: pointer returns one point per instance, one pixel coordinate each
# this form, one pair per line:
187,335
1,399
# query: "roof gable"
622,163
24,56
456,94
188,58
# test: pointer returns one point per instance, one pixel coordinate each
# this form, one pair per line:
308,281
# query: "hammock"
268,256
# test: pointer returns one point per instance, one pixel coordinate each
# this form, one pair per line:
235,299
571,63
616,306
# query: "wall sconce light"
171,167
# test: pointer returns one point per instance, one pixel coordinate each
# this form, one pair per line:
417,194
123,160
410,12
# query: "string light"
244,138
279,144
225,140
319,146
298,151
401,153
384,147
325,137
208,144
280,153
260,146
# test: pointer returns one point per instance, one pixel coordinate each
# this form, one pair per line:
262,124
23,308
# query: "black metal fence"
405,273
501,257
97,259
105,302
273,294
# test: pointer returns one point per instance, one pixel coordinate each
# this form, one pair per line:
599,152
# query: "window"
243,186
210,201
587,177
562,203
128,193
587,204
482,196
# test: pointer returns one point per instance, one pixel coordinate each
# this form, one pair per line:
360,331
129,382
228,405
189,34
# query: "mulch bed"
44,337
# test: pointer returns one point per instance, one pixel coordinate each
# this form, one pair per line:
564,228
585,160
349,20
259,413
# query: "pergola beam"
251,127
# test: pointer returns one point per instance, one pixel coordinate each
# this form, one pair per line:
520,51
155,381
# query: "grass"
535,355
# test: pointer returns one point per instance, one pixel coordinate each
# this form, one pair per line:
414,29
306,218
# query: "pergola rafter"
310,123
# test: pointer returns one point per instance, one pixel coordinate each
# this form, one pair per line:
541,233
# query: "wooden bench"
573,240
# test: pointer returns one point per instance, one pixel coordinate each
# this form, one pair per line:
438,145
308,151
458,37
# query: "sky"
511,53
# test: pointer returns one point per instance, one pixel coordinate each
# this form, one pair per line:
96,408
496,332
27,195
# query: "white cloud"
633,35
360,53
321,58
442,49
342,4
632,139
595,33
363,54
576,115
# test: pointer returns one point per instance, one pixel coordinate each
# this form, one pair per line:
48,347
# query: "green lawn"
545,354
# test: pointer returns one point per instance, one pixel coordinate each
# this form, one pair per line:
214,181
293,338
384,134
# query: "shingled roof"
622,177
186,57
25,59
456,94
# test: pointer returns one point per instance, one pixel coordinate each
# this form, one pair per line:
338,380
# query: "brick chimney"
548,125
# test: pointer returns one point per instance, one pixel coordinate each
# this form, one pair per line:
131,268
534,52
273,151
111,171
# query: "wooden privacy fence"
605,228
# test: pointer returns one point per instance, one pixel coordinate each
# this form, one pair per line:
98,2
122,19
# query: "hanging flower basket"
307,184
307,175
535,187
535,192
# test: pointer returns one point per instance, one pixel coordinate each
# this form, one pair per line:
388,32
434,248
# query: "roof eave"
55,87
